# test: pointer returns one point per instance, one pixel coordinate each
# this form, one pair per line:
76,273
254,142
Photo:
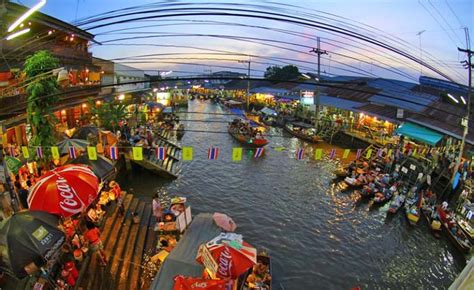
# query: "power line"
454,13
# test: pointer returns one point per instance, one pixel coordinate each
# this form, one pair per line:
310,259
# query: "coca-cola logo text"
225,263
70,202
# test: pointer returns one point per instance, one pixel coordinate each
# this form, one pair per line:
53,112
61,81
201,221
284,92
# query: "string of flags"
161,153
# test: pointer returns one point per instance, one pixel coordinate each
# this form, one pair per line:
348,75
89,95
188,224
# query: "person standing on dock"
157,210
93,238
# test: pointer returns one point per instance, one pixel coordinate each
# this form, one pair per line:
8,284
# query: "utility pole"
465,122
421,53
318,51
248,79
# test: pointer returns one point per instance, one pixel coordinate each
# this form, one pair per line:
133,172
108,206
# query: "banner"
212,153
346,153
332,154
137,153
13,164
113,152
258,152
161,153
72,152
25,152
92,152
300,154
55,152
368,154
359,153
187,153
237,154
318,153
39,152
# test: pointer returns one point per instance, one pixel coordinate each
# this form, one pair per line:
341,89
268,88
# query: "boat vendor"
157,210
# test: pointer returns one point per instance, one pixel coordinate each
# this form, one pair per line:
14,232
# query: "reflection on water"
317,236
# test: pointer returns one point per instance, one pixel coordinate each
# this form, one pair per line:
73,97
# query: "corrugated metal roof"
339,102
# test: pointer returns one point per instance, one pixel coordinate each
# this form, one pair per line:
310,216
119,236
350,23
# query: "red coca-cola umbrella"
190,283
229,259
65,191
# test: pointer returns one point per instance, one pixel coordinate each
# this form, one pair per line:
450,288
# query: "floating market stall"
182,260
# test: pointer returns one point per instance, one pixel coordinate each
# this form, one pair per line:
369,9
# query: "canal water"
317,237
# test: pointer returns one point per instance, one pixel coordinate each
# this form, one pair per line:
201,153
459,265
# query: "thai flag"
39,152
300,154
161,153
212,153
258,153
113,153
332,154
359,153
12,151
72,152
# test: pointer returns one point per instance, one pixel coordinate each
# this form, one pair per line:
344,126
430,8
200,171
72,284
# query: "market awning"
269,112
419,133
182,260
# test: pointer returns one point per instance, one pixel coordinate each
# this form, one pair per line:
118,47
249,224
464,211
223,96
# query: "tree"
41,99
286,73
109,114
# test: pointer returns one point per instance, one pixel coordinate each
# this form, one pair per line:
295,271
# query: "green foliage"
40,102
288,72
109,114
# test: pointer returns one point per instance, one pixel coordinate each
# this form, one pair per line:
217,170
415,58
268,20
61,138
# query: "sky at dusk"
228,39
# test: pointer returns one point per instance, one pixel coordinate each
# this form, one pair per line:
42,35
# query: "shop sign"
404,169
399,113
13,164
208,261
412,167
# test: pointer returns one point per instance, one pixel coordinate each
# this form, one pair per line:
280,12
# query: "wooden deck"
125,243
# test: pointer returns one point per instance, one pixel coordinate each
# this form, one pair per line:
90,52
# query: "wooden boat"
435,228
396,205
340,172
262,258
462,245
412,214
300,130
247,140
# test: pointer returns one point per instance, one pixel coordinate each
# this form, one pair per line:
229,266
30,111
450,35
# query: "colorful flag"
25,152
379,153
258,152
212,153
72,152
318,154
137,153
389,154
237,154
346,153
369,153
113,152
161,153
187,153
423,152
55,152
300,154
92,152
358,154
414,153
11,150
39,152
332,154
